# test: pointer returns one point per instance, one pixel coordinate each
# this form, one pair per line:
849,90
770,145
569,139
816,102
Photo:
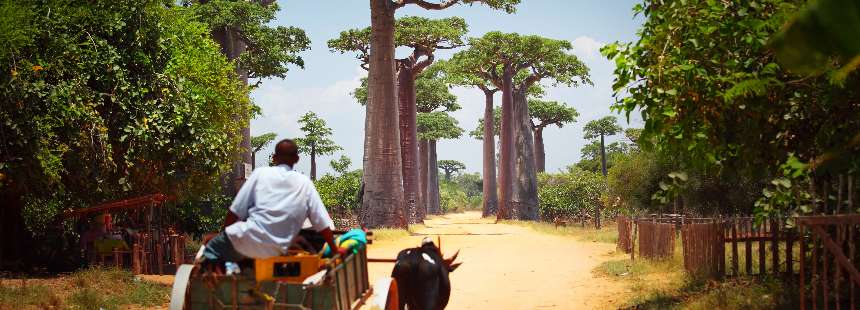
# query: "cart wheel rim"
180,287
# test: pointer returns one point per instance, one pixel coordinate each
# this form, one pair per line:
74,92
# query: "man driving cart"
268,212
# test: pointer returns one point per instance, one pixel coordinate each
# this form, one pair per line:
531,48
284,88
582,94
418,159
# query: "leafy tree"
423,36
515,64
432,127
383,187
340,191
607,126
244,32
450,167
570,194
260,142
340,165
107,100
741,96
543,114
591,156
317,139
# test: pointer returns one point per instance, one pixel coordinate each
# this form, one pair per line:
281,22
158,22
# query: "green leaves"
823,30
606,126
269,49
317,140
116,99
261,141
437,126
545,113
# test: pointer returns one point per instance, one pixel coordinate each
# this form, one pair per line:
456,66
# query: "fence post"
734,224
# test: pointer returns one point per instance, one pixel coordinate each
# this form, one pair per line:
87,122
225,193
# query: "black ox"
422,277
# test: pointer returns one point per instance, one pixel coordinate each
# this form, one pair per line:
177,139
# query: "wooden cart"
342,284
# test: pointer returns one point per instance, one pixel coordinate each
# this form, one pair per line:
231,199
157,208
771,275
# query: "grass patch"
607,234
382,234
95,288
663,284
28,295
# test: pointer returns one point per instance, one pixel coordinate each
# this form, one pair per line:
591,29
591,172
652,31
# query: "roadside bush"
202,215
341,190
569,194
455,198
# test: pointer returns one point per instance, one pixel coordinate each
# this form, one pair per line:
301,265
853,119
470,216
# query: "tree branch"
426,5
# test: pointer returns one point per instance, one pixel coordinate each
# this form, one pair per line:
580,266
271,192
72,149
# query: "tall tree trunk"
491,198
540,152
602,156
423,178
506,150
433,180
232,47
524,197
313,162
408,141
603,169
382,204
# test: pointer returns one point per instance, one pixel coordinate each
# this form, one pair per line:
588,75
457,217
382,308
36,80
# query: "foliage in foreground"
106,100
94,288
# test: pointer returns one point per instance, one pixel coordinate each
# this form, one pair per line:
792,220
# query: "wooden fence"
656,240
625,234
704,248
831,267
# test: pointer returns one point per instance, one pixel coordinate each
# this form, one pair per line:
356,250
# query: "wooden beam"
837,253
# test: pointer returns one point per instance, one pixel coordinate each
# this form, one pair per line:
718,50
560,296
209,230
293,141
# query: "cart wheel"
387,296
180,287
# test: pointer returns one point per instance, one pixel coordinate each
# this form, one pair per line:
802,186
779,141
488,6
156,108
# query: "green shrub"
204,214
340,190
569,194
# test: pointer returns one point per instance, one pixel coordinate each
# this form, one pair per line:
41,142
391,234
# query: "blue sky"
325,84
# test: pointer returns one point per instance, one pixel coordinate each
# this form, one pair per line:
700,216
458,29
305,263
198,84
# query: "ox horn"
450,260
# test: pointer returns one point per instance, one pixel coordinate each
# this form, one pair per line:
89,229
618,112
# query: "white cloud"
587,47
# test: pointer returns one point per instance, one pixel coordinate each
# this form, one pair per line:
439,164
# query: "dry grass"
663,284
95,288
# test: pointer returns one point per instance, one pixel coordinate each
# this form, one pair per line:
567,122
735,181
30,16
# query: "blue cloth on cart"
352,241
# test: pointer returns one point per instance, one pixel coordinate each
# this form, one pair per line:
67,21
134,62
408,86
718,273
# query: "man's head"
286,152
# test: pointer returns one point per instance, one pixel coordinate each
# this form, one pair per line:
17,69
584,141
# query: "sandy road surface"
512,267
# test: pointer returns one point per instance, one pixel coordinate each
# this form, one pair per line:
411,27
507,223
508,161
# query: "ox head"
448,262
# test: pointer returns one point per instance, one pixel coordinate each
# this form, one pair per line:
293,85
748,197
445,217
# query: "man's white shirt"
272,205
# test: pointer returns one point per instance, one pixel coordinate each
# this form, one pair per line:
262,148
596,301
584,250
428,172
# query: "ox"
422,277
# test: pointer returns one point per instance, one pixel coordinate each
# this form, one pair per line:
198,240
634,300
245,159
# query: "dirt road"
512,267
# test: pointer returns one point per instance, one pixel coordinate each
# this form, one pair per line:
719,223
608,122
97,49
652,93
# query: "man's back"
272,206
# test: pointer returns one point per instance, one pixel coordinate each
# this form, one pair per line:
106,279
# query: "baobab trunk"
232,47
491,198
540,153
408,141
423,178
524,196
433,180
382,204
507,148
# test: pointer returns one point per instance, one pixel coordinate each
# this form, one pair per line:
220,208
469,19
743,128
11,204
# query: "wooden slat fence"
656,240
625,234
704,248
830,261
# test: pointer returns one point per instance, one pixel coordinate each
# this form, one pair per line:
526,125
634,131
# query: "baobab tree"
450,166
258,143
603,127
543,114
423,36
317,139
600,128
515,63
261,51
432,127
383,175
432,95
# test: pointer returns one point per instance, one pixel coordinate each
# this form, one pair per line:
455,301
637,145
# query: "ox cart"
300,280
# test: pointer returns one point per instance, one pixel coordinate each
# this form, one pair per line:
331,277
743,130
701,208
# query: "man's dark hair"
286,148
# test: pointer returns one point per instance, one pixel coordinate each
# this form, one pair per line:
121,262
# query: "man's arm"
231,218
328,235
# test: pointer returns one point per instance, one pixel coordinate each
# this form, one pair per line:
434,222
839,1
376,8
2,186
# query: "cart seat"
294,267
